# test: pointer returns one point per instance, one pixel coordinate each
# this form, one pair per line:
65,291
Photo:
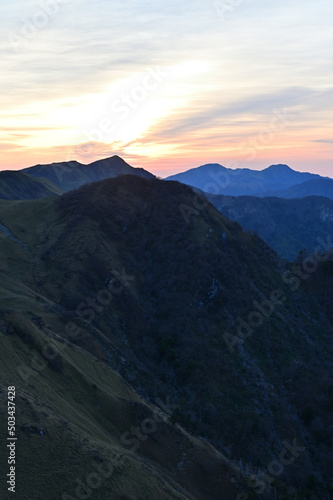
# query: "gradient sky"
167,85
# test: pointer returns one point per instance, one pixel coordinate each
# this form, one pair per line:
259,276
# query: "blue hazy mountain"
216,179
287,225
313,187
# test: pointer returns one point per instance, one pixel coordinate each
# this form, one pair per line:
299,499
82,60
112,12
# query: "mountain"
216,179
42,181
312,187
288,226
125,303
16,185
71,175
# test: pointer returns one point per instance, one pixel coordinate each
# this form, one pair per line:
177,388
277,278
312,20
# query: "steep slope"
288,226
312,187
82,431
74,419
16,185
156,284
72,175
216,179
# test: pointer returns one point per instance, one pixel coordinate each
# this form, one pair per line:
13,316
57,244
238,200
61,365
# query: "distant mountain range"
276,180
286,223
290,210
41,181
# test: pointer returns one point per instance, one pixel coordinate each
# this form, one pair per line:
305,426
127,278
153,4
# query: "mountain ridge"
314,187
164,302
276,180
289,226
72,175
43,180
217,179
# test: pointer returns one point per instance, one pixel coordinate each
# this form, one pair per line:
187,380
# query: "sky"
167,85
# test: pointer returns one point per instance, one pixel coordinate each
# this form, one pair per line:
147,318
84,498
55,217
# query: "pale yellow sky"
167,86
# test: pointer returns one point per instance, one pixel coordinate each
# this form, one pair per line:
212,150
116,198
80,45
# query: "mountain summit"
217,179
72,175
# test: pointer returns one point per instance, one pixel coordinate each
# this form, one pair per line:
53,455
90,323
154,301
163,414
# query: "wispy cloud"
324,141
261,57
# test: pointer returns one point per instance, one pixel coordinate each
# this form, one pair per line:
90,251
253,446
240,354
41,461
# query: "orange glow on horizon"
182,157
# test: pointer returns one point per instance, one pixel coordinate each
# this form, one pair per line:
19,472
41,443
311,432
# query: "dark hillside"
190,308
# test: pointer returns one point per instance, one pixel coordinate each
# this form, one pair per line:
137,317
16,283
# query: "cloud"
258,108
324,141
10,147
262,56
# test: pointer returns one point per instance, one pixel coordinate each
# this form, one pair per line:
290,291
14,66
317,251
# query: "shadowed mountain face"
16,185
216,179
288,226
71,175
312,187
131,281
48,180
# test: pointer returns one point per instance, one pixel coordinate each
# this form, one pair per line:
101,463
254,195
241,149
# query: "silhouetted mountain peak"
71,175
115,159
216,179
281,167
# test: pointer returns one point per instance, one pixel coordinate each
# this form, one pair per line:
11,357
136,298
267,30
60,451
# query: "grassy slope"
164,334
79,403
82,408
20,186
